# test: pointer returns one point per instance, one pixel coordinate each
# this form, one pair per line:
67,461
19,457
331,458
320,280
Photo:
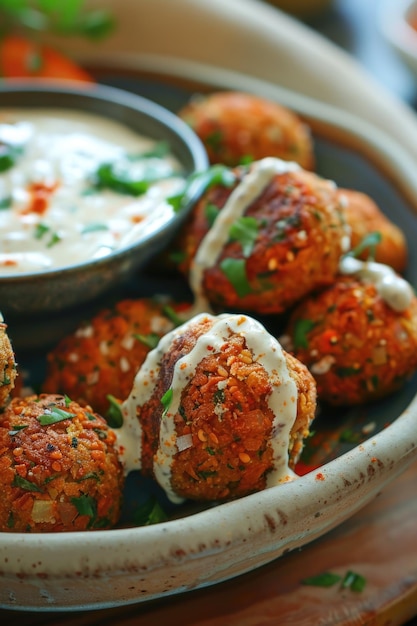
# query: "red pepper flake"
320,476
40,195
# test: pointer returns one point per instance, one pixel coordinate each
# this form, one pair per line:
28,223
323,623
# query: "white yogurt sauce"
396,291
51,214
266,350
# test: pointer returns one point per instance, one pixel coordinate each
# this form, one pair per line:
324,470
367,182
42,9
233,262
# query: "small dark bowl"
56,290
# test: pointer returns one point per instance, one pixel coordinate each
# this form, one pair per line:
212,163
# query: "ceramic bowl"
197,548
48,291
396,19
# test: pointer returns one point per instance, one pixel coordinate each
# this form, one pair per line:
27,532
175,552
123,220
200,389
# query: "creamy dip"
266,351
52,211
393,289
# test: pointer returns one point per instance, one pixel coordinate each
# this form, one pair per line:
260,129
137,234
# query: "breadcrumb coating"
235,126
355,345
59,468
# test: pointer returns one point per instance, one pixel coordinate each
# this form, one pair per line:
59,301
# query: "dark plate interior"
336,430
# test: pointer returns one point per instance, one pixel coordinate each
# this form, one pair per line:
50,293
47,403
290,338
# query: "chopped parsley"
94,227
235,272
166,400
5,202
245,230
150,512
114,415
326,579
41,230
351,580
211,212
301,329
370,243
150,340
354,581
8,156
172,315
200,182
86,505
53,416
16,429
22,483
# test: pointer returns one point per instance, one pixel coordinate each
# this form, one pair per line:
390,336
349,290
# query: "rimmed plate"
128,565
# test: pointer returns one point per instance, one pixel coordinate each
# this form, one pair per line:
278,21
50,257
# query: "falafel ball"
358,345
8,371
261,241
365,217
102,356
236,126
59,468
223,410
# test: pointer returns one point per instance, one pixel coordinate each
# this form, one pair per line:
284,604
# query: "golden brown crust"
234,126
300,233
8,370
364,217
225,415
102,357
63,476
356,346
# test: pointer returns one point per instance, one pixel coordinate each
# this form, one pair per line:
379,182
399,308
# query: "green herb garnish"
150,340
327,579
301,329
114,415
18,481
166,400
245,230
8,156
354,581
369,242
172,316
66,17
109,176
211,211
150,512
94,227
85,505
54,416
5,202
235,272
200,182
16,429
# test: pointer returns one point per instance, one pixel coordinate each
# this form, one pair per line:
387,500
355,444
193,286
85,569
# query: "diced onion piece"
184,442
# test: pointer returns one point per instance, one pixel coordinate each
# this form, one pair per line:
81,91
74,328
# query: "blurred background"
354,26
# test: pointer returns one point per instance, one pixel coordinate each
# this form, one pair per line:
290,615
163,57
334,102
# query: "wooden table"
379,542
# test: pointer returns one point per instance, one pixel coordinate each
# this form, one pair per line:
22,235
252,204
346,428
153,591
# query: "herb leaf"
18,481
370,242
55,415
166,400
301,329
200,182
85,505
235,272
114,415
8,155
150,340
150,512
245,230
327,579
353,581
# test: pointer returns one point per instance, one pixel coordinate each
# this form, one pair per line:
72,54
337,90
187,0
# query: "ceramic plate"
72,571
